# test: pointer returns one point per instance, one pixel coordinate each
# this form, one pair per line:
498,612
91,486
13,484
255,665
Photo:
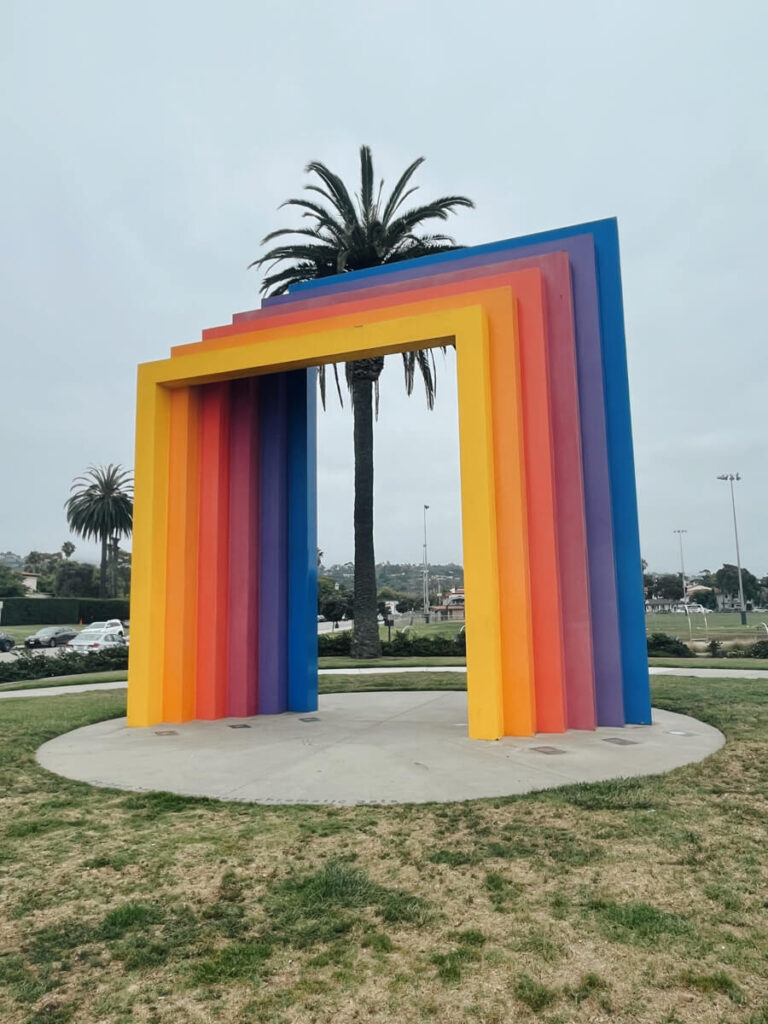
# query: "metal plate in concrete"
383,748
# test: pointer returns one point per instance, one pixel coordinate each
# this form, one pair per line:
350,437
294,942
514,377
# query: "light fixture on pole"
730,477
682,563
426,570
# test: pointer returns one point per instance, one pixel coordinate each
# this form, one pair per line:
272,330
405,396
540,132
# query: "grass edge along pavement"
633,900
384,679
82,679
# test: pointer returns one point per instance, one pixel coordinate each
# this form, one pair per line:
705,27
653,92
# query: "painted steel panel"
244,550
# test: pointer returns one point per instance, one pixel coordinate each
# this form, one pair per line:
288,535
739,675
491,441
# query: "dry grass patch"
637,900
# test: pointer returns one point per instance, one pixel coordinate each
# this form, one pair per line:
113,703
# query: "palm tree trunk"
103,568
365,642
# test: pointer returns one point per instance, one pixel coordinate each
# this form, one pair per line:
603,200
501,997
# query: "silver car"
90,640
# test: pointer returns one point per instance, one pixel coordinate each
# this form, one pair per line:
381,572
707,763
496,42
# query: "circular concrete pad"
383,748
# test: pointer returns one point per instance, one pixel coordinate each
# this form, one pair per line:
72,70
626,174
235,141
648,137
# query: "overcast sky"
147,146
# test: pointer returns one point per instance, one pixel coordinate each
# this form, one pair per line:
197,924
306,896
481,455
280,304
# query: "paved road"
328,627
699,673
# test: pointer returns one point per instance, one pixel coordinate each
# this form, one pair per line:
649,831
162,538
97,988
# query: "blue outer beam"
302,540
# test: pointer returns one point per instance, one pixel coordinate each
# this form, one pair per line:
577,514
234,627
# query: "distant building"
452,607
29,579
11,560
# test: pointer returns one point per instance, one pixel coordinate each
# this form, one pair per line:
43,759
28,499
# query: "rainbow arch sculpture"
223,611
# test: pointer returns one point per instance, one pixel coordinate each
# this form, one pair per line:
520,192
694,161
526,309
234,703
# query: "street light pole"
730,477
426,570
682,563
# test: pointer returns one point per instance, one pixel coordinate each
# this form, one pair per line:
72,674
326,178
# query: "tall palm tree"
345,234
101,507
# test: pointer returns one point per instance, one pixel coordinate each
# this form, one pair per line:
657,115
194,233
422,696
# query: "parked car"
90,640
6,642
109,624
51,636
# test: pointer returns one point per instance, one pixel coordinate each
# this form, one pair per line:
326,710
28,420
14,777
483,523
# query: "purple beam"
273,545
243,616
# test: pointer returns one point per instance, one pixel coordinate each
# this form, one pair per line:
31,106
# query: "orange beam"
213,553
181,587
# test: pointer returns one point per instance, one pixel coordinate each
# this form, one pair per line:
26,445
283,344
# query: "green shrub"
330,645
402,645
661,645
715,648
58,611
95,609
39,611
758,650
28,665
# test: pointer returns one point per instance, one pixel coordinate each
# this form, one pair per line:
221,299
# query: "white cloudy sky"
147,146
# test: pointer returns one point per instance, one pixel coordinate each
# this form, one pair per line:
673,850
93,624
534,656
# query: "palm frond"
366,185
414,252
315,233
397,197
339,195
281,281
321,215
425,361
312,253
439,209
321,375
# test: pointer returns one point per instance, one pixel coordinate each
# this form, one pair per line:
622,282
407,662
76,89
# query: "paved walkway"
62,691
381,748
699,673
712,673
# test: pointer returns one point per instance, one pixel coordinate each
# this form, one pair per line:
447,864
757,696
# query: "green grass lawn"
719,625
429,680
630,901
344,662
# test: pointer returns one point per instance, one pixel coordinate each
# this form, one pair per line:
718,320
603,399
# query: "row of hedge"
28,665
59,611
31,665
662,645
402,645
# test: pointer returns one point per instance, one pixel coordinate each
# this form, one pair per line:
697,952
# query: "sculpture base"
358,748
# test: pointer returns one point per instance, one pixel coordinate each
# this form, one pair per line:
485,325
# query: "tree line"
668,586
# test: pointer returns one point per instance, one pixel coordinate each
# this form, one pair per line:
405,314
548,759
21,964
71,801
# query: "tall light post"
426,569
730,477
682,562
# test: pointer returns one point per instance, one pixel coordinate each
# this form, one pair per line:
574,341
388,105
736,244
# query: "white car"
109,624
96,640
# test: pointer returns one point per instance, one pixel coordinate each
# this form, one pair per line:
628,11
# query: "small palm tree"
101,507
343,236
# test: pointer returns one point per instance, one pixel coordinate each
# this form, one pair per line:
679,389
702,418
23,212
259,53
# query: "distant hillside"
405,578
